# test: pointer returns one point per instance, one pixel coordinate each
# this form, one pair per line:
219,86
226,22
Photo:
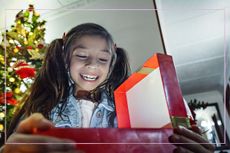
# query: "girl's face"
90,62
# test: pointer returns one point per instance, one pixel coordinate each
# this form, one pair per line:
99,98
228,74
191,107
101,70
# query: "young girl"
75,89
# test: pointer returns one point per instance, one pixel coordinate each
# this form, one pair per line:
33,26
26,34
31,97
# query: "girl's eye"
81,56
103,60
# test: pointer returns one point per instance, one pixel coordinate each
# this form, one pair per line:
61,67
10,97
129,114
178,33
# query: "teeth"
89,77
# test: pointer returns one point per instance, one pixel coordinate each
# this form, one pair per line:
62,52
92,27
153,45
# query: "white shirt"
87,108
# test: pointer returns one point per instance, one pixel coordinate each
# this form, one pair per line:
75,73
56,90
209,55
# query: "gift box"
114,140
151,97
148,105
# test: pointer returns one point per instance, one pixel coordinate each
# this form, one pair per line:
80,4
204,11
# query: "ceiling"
194,31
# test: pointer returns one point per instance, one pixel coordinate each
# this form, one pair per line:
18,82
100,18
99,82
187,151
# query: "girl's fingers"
38,148
185,142
189,134
23,140
31,139
194,137
37,144
35,122
196,129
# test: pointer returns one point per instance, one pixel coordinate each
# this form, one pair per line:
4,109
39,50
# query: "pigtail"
50,86
121,71
121,68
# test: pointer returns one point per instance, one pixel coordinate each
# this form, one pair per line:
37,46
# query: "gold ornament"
11,79
16,50
2,59
37,14
23,32
25,42
1,127
17,90
2,115
11,41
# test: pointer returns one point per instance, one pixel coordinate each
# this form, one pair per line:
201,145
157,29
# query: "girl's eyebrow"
80,46
106,50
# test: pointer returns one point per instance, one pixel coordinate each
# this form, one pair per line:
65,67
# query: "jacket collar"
105,101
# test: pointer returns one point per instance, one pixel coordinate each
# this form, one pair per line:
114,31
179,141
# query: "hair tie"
63,40
115,46
64,36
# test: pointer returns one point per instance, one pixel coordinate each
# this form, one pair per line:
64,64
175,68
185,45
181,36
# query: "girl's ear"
71,82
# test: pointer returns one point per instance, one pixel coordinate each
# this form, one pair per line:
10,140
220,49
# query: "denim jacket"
71,115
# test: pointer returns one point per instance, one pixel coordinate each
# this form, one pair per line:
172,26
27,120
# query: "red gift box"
151,97
144,139
113,140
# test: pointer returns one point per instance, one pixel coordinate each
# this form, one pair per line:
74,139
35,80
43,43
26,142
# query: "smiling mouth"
89,77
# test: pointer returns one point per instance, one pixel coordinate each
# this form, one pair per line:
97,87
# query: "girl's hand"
188,141
22,141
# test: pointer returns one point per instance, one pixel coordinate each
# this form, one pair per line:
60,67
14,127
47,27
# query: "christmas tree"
21,55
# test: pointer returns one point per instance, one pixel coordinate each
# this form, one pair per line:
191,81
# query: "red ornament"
9,99
29,47
40,46
24,70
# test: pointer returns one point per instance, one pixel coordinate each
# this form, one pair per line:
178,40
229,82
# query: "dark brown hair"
52,83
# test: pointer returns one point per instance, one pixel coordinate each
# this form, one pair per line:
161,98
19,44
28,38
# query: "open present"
151,97
148,105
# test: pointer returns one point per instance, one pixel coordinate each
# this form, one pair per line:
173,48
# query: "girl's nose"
92,64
